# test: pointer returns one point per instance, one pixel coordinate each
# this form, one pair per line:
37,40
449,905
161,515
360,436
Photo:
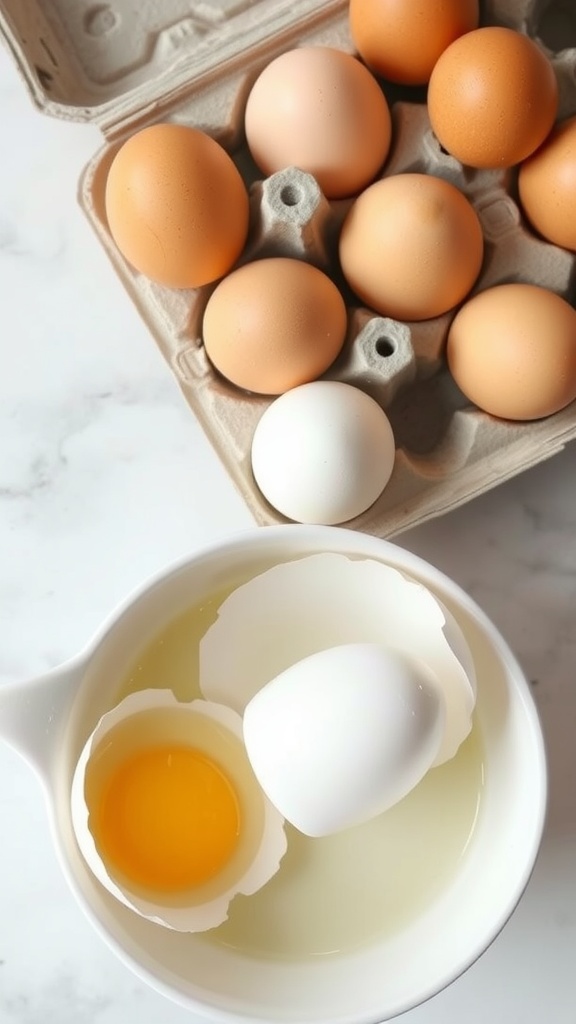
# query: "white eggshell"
323,452
344,734
301,607
217,731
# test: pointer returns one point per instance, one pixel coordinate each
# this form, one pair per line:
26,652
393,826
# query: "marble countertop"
104,478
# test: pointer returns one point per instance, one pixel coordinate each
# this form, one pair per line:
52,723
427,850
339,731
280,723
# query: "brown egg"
401,40
411,246
512,351
273,324
319,109
176,205
492,98
547,186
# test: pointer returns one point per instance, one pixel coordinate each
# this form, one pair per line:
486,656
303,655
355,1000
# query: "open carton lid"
111,63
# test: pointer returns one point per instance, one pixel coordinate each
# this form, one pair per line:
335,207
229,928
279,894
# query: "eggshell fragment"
299,608
153,715
344,734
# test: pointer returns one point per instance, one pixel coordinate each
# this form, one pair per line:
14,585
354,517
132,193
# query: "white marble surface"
104,477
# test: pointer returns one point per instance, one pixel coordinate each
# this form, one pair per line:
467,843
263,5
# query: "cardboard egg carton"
126,66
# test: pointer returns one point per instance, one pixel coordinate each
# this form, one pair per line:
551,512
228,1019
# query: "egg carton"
124,66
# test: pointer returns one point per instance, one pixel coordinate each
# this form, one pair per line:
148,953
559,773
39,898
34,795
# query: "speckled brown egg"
492,97
176,205
273,324
401,40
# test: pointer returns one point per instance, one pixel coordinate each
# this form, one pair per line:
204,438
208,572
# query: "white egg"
344,734
323,452
168,813
310,604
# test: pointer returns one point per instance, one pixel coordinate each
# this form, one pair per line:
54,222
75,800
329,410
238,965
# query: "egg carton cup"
195,63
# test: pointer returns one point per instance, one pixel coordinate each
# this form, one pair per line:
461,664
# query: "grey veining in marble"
104,478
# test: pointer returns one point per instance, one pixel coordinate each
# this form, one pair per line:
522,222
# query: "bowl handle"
33,712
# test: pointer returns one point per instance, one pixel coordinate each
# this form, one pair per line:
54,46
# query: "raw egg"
319,109
323,452
176,205
512,351
168,813
273,324
492,97
411,246
401,40
547,186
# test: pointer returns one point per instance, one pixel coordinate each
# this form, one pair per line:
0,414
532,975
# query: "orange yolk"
168,819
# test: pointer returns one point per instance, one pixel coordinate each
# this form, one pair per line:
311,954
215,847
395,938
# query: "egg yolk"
168,819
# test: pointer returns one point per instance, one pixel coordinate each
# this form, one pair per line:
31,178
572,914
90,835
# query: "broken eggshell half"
147,720
348,684
299,608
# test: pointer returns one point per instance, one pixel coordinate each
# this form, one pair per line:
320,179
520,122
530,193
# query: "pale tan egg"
512,351
273,324
492,97
547,186
319,109
176,205
401,40
411,246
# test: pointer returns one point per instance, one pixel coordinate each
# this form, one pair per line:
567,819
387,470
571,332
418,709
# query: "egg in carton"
195,64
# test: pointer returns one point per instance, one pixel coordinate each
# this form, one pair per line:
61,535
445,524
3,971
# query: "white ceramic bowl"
49,719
